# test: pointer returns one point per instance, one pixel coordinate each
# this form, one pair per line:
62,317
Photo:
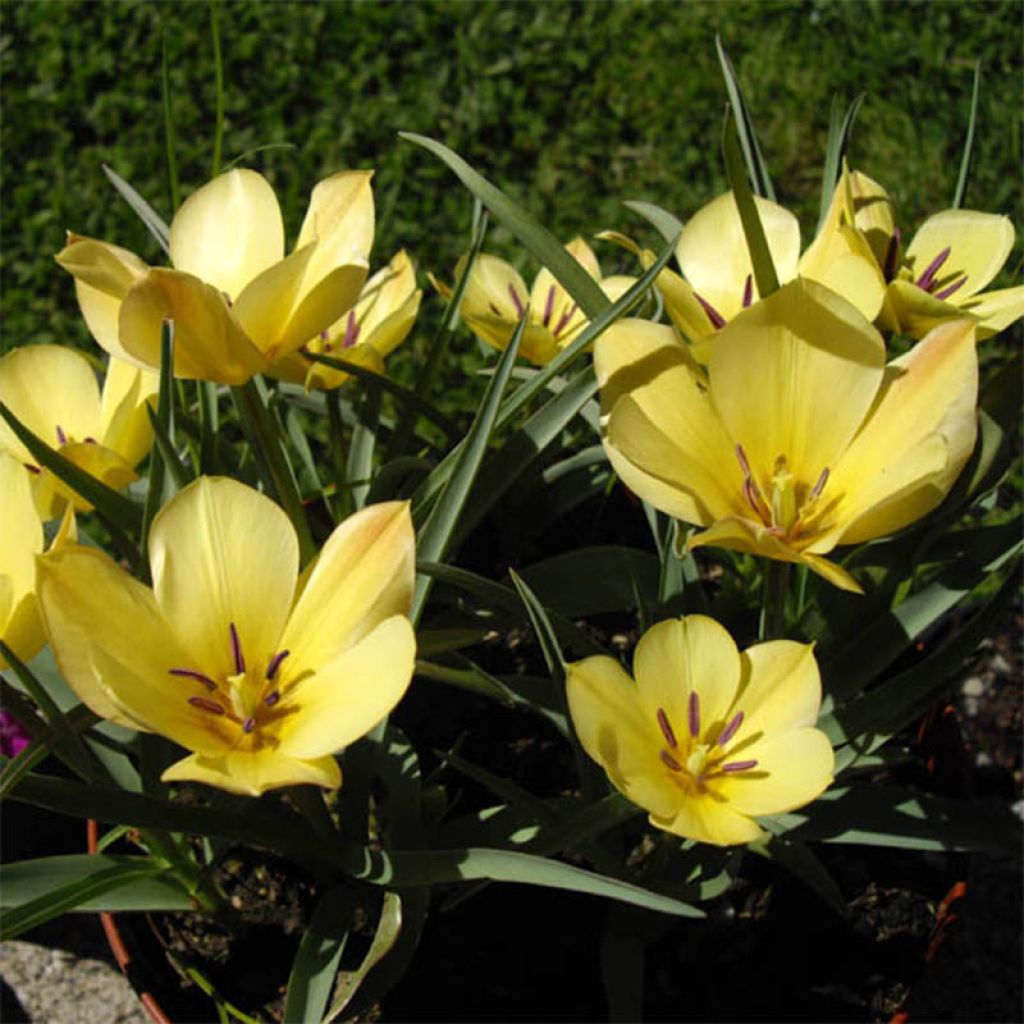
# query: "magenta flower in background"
13,738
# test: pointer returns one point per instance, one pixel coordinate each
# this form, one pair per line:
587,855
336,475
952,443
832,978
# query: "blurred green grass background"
569,107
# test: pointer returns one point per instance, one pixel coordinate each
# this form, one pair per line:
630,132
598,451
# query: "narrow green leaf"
436,532
165,446
318,956
153,221
760,255
360,449
542,627
798,858
745,128
117,509
160,489
174,193
839,128
248,154
27,881
965,160
209,425
218,85
548,249
500,787
668,224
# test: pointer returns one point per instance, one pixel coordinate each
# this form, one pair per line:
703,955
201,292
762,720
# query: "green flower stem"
164,846
269,447
773,609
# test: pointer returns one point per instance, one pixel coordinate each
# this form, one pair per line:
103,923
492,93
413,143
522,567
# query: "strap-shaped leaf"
160,488
965,160
668,224
153,221
839,128
548,249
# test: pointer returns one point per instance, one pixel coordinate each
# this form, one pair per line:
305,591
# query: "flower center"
929,279
245,696
791,508
692,761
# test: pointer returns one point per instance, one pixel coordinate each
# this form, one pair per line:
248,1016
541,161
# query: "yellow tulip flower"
798,437
706,738
237,302
953,256
717,281
376,325
496,298
263,676
21,540
53,391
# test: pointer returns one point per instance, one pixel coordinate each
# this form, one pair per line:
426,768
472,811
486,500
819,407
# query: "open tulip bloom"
263,676
705,738
798,437
496,297
237,302
53,392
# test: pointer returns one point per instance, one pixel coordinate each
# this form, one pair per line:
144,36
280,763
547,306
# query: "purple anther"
549,306
188,673
62,438
716,318
927,278
751,493
731,729
954,287
516,301
272,698
564,319
671,761
494,309
666,729
248,725
275,663
693,714
351,330
91,440
236,650
748,291
741,458
324,335
819,486
206,705
738,766
31,468
892,255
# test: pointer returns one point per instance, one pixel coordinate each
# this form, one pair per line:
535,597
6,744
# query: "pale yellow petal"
340,219
979,245
103,274
663,435
780,691
709,821
250,773
346,697
550,304
383,296
713,254
97,460
681,657
916,311
46,387
842,260
391,332
364,575
688,315
116,650
996,310
209,343
606,714
229,231
333,296
863,203
124,423
266,303
319,375
792,769
490,289
221,554
916,439
21,539
794,376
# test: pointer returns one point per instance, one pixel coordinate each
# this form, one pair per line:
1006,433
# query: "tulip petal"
996,310
103,275
916,439
115,649
345,698
364,575
21,539
680,657
842,260
266,303
252,772
979,245
713,254
98,461
330,299
688,315
793,768
550,304
606,714
663,436
46,387
868,203
124,422
209,344
340,220
916,311
537,344
780,691
223,554
229,231
794,376
709,821
490,288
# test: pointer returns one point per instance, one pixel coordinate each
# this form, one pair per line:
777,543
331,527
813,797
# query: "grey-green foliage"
569,107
